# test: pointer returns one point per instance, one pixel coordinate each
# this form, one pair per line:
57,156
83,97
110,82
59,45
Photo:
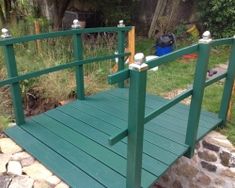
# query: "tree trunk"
2,17
7,6
159,11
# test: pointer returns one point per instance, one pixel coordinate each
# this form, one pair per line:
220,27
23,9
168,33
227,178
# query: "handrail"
57,68
172,56
219,42
168,105
125,74
9,41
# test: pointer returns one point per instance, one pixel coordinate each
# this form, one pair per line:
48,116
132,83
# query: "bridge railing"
7,42
137,92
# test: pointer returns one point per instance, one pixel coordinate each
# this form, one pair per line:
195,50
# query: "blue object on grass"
163,50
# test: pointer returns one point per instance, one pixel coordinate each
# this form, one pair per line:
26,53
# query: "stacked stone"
212,166
18,169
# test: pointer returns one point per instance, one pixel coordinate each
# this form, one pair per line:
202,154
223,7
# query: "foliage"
218,16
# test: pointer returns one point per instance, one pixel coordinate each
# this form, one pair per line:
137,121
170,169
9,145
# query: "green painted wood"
118,137
119,76
163,145
136,111
94,168
224,41
120,112
119,109
52,160
93,128
215,79
92,148
58,68
28,38
153,102
168,105
228,85
121,50
15,88
197,97
78,55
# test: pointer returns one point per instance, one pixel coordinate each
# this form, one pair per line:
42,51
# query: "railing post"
137,93
121,50
78,54
198,91
228,85
12,72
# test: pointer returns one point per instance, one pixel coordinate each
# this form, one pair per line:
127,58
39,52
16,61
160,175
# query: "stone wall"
212,166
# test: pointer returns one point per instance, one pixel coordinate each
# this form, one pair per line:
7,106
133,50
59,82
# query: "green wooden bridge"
122,137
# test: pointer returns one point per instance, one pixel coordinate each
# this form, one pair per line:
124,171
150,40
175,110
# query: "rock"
20,155
225,157
177,184
37,171
210,146
21,182
41,184
228,173
62,185
219,181
27,161
232,161
204,179
4,159
219,140
186,170
54,180
5,181
8,146
165,178
208,166
14,167
207,156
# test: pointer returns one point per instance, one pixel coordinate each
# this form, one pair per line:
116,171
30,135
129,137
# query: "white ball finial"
5,33
206,37
139,58
76,24
121,23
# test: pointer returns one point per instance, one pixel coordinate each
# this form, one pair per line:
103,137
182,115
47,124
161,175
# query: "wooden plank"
131,44
99,152
162,151
153,102
96,121
72,175
72,118
122,124
167,124
94,168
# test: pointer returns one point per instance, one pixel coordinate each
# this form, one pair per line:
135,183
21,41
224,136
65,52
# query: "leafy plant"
218,16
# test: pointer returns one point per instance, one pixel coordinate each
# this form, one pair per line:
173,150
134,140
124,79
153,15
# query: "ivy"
218,16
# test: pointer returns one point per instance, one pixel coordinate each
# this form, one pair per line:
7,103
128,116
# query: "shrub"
218,16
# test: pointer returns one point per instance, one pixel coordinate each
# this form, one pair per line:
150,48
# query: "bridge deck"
72,140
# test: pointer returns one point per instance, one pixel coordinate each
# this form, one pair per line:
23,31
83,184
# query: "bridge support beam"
198,91
227,93
137,93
